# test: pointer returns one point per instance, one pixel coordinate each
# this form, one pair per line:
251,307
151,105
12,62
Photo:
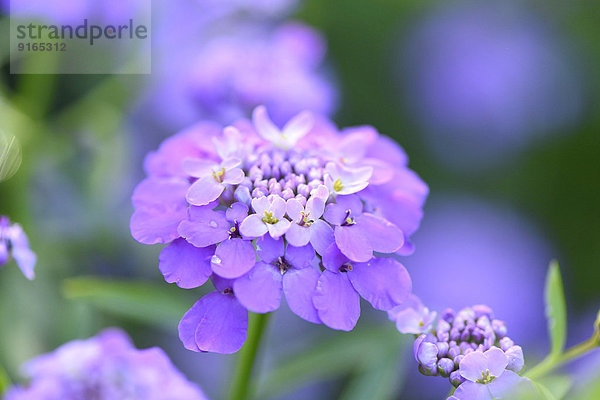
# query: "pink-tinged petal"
217,322
222,323
278,229
204,190
231,163
315,206
336,301
299,286
298,235
233,258
299,257
237,212
198,168
473,365
383,282
353,243
269,249
333,258
260,289
261,205
156,225
497,361
384,236
321,235
355,142
278,206
204,227
298,127
184,264
167,192
234,176
253,226
294,209
382,171
264,126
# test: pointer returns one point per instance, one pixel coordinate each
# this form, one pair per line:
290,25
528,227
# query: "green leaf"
378,381
556,310
543,391
144,302
342,355
558,385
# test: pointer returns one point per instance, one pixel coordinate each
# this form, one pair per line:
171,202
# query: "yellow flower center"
486,377
269,218
218,175
337,185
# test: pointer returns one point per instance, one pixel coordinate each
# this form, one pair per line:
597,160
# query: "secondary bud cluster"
455,335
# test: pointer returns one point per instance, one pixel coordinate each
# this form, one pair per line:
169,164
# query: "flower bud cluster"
455,335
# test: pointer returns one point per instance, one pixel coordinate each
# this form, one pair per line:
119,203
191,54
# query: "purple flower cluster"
471,349
14,244
301,211
105,367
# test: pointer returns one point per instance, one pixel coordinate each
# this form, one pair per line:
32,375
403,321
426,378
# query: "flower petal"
204,190
473,366
299,286
261,205
233,258
278,229
336,301
294,209
204,226
269,249
297,235
297,127
197,167
264,126
165,192
472,391
234,176
384,236
383,282
299,257
253,226
237,212
156,224
217,322
496,361
184,264
260,289
321,235
353,243
333,258
511,386
278,206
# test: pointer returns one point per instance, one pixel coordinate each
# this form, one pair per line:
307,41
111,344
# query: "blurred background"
496,104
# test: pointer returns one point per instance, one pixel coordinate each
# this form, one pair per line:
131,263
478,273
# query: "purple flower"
14,244
105,367
412,316
250,208
486,377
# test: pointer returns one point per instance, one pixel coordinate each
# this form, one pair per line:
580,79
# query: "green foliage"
4,380
369,357
144,302
556,310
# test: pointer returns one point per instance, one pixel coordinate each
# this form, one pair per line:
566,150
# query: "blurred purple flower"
14,244
486,378
486,79
490,254
105,367
210,193
281,68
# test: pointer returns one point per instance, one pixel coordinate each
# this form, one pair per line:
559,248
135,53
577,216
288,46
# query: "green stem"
245,361
4,380
552,362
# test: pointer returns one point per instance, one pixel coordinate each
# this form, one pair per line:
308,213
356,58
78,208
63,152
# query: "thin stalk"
4,380
550,363
243,370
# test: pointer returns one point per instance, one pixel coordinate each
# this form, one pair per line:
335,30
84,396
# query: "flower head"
105,367
253,208
412,316
14,244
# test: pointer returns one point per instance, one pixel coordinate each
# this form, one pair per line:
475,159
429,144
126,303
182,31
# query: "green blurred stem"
550,363
4,380
245,361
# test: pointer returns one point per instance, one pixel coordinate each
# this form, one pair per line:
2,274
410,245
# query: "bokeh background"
496,104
